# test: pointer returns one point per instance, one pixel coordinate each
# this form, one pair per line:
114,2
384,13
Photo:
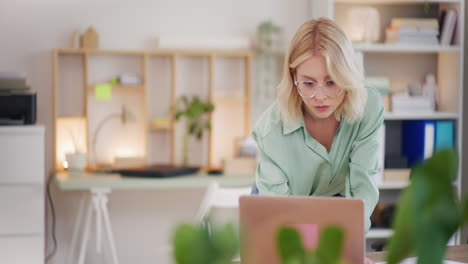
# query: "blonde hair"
323,37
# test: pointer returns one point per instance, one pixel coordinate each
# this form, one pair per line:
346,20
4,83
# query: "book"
428,23
417,140
445,135
448,23
418,31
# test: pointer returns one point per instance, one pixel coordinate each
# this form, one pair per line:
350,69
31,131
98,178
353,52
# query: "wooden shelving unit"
141,59
404,64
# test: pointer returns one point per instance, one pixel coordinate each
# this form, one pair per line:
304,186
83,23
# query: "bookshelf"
406,63
165,75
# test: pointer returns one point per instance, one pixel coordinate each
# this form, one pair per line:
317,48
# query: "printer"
18,103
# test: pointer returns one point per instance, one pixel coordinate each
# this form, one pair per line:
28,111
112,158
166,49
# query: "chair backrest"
219,197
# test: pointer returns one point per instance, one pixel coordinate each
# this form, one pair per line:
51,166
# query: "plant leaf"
192,127
464,210
225,243
199,134
190,245
289,244
330,245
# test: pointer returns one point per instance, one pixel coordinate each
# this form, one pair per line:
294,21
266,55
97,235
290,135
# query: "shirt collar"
292,125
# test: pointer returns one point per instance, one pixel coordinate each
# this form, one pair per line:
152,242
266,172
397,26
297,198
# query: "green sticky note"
103,91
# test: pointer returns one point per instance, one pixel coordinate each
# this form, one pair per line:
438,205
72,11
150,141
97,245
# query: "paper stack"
413,31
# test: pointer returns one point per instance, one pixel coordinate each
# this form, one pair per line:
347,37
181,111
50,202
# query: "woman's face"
321,106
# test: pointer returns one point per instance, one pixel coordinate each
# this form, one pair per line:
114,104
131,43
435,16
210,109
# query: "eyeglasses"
309,89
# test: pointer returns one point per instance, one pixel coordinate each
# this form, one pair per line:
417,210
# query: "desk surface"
454,253
86,181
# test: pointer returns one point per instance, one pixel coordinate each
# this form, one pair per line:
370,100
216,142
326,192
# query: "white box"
412,104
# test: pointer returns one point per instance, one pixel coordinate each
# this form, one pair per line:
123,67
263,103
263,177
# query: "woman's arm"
269,177
364,157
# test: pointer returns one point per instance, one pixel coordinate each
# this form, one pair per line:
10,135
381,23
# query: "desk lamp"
125,116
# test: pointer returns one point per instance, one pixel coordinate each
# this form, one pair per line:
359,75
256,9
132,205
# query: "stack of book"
13,83
413,31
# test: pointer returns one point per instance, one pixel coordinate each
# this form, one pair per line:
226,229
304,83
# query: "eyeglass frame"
319,85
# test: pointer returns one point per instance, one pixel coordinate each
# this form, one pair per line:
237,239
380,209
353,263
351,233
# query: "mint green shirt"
291,162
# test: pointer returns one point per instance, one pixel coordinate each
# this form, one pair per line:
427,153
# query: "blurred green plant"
328,251
429,212
268,37
196,244
195,111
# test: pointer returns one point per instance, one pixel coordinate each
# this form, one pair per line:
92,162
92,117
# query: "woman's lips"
322,107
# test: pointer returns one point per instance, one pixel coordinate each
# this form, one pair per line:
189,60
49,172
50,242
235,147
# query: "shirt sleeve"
269,177
364,158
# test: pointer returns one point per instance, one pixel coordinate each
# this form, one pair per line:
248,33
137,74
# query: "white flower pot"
76,161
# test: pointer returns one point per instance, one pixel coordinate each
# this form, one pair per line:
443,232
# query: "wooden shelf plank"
416,116
405,48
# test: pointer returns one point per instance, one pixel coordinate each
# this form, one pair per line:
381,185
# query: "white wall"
30,29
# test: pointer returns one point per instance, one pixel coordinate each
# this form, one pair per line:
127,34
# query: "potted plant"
429,212
195,112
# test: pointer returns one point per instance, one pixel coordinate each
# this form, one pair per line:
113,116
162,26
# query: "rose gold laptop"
262,216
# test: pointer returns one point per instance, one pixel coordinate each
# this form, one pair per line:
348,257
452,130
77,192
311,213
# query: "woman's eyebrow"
312,78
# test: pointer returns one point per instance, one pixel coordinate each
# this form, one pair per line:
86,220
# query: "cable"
52,211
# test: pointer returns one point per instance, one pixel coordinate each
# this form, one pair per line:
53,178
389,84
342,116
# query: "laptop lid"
262,216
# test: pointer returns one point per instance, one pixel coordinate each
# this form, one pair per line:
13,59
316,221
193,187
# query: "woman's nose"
320,95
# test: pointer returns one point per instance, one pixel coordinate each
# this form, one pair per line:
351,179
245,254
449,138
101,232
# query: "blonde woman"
320,136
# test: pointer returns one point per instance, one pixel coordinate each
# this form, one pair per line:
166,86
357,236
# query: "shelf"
405,48
410,116
379,233
394,1
392,185
158,52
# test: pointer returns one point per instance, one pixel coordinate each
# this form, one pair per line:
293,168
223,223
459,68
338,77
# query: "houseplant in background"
195,112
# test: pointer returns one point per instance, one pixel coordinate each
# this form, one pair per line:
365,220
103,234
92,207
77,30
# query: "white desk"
100,185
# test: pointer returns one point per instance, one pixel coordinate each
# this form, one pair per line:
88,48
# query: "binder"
418,137
445,135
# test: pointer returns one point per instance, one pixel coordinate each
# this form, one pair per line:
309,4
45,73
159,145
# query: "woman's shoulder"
269,120
373,112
